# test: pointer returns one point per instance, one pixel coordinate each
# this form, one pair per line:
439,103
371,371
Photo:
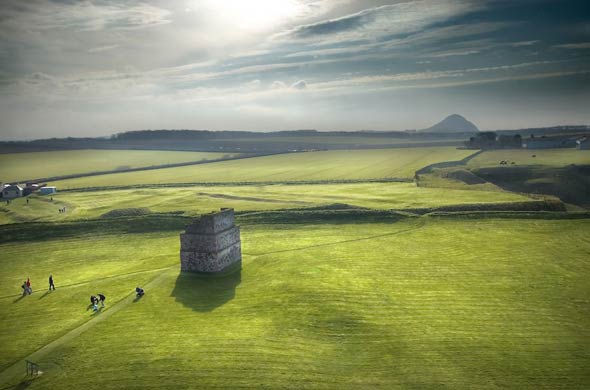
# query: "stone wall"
211,243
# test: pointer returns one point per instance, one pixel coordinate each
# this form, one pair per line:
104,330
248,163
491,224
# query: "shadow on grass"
206,292
18,299
46,293
137,298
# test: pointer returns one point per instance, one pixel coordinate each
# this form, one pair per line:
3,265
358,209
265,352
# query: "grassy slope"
196,200
21,166
548,157
348,164
457,304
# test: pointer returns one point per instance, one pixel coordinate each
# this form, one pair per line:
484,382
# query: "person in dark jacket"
51,285
139,291
94,302
101,298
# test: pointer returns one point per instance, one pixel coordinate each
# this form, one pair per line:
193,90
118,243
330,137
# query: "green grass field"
329,165
348,299
22,166
422,303
546,157
197,200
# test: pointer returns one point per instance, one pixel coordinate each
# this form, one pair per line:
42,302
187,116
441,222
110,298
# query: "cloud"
333,26
400,78
301,84
278,85
582,45
455,53
523,43
73,16
386,20
100,49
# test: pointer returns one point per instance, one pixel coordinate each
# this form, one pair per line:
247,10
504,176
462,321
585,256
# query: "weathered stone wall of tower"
211,243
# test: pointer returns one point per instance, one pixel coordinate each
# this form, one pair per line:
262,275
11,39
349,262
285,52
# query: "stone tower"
211,243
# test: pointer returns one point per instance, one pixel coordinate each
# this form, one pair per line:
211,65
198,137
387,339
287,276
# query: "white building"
48,190
10,191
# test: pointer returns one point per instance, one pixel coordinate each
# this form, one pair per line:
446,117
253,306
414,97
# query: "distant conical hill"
453,124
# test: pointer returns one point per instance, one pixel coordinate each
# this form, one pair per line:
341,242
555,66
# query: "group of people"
28,290
62,210
26,286
95,299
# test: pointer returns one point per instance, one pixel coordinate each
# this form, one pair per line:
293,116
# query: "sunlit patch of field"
422,303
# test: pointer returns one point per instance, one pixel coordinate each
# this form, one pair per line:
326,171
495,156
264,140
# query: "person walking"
101,298
29,289
51,285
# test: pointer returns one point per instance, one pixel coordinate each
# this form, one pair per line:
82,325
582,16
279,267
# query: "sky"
99,67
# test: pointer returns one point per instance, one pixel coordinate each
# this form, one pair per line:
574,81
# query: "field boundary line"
420,226
12,372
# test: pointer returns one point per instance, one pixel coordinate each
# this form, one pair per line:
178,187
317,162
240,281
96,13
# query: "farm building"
48,190
583,143
11,191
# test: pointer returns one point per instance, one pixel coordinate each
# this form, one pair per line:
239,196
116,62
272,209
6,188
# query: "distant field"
343,140
550,157
22,166
429,303
329,165
197,200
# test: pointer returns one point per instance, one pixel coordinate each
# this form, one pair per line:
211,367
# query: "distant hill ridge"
453,124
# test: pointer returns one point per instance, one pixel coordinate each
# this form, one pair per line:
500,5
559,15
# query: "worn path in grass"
14,372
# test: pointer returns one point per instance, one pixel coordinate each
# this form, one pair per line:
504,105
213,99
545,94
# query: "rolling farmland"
334,291
200,199
21,166
328,165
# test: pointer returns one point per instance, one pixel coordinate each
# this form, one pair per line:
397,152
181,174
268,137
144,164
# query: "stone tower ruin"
211,243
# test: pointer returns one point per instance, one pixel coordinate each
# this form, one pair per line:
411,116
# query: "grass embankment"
561,173
197,200
22,166
328,165
419,303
